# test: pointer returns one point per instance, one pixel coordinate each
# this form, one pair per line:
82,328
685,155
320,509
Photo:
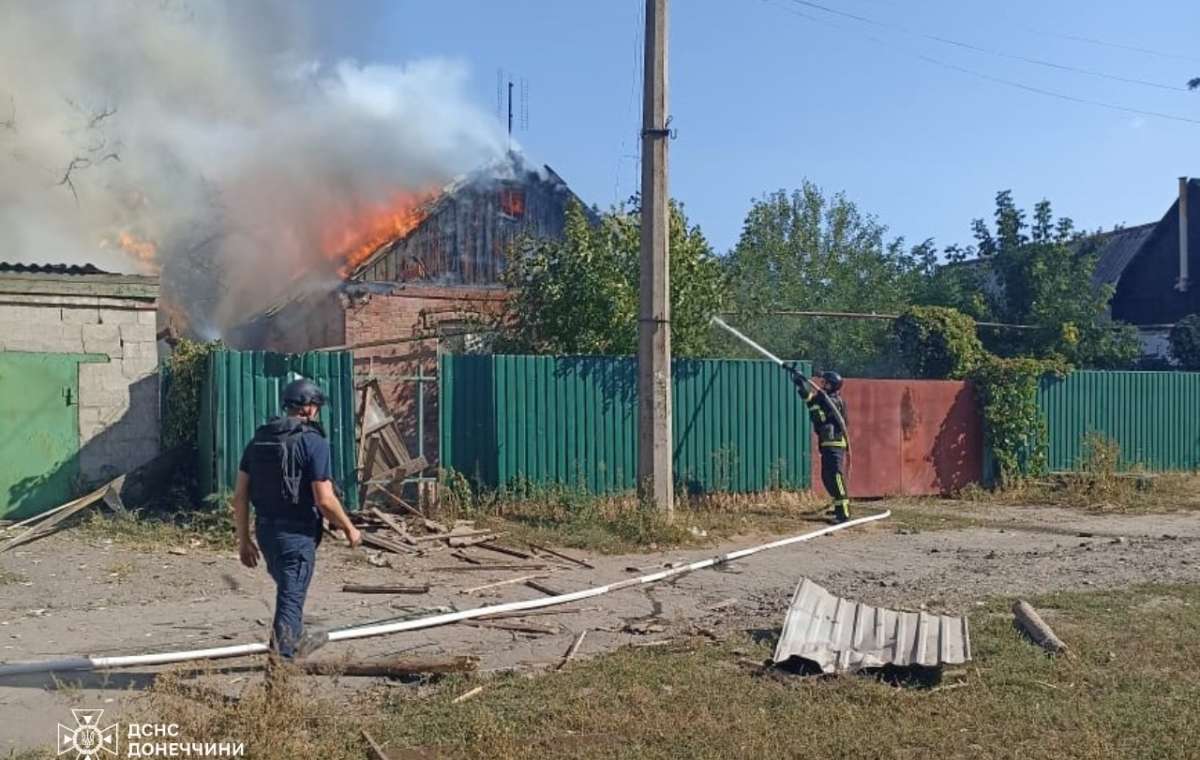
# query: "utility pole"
655,447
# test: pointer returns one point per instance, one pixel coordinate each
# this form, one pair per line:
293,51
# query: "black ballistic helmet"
833,381
302,393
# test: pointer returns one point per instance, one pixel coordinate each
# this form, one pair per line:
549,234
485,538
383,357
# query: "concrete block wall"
118,397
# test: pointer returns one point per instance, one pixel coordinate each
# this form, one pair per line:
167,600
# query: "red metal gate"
910,437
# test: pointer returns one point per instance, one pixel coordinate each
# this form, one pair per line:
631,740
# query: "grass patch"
1129,692
8,577
927,515
614,524
150,530
1102,481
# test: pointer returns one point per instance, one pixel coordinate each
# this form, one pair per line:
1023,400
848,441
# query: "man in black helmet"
827,411
286,474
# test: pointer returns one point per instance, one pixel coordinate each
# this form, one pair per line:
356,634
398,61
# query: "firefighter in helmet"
286,473
827,410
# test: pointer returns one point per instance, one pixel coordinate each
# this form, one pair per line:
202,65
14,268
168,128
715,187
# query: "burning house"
428,267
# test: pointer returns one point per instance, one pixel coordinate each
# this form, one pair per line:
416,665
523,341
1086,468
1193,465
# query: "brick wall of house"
412,312
118,395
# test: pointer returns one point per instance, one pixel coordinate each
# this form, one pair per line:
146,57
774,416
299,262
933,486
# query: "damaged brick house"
422,292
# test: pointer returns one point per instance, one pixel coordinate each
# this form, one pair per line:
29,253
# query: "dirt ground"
65,596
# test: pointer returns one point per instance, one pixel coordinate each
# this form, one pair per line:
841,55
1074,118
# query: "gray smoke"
213,131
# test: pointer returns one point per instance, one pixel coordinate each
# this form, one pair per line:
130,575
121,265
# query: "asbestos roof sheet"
66,269
840,635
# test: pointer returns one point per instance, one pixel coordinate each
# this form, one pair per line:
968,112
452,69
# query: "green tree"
806,251
1041,275
579,295
1185,342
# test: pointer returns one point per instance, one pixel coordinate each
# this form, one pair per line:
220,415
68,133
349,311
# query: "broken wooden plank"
466,695
461,542
359,588
1031,622
497,584
394,524
560,555
390,668
544,589
505,550
451,534
530,628
383,543
572,650
376,751
484,568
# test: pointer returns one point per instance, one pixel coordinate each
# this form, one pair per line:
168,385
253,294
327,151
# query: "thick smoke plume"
209,140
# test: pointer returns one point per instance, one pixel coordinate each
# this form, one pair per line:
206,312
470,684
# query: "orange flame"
143,250
352,238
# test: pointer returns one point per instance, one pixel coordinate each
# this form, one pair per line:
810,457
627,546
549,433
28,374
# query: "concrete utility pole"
655,447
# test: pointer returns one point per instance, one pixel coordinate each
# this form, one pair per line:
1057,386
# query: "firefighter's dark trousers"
833,477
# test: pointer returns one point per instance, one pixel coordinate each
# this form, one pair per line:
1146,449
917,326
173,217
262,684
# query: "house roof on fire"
75,280
511,169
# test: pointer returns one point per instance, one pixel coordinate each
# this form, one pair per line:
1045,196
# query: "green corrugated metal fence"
1155,416
738,425
241,391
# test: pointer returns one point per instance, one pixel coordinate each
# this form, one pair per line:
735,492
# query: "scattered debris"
643,627
839,635
572,650
730,602
1031,622
109,493
358,588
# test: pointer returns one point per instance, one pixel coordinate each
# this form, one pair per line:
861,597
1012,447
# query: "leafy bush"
938,342
1185,342
184,374
1013,425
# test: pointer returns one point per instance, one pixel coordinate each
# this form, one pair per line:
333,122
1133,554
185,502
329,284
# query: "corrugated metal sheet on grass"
739,426
241,391
1155,416
841,635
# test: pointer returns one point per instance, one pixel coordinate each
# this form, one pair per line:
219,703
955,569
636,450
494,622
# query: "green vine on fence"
184,374
1013,424
942,343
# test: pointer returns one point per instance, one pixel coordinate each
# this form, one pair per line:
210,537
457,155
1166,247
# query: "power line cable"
990,51
1088,40
996,79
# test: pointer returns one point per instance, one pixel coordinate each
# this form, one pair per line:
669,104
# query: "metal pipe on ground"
361,632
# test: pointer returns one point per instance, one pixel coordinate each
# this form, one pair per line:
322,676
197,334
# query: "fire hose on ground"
383,629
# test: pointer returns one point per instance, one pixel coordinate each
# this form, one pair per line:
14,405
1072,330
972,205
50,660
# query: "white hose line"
360,632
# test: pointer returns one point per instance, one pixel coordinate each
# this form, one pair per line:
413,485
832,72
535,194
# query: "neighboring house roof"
1116,249
75,280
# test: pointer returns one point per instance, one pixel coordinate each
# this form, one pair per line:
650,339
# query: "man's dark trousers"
290,550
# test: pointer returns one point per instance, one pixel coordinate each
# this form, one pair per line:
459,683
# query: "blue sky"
763,98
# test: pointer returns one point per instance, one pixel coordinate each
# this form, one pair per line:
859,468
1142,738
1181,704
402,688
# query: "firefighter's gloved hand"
797,377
